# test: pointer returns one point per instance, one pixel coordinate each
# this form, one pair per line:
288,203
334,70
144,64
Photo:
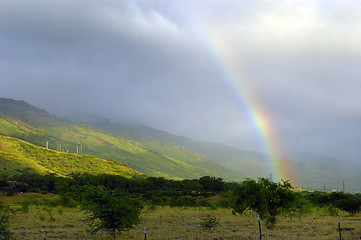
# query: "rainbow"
231,69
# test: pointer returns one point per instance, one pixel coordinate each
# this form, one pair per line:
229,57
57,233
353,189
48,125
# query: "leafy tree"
347,202
112,211
191,185
319,198
212,184
3,184
266,198
5,232
185,201
154,183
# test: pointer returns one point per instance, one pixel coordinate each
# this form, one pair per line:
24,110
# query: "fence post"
145,232
339,228
259,226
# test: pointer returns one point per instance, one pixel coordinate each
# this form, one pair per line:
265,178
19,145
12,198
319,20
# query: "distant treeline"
152,190
157,191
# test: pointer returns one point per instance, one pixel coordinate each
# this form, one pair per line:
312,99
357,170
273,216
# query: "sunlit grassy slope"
155,152
310,174
16,155
245,163
36,126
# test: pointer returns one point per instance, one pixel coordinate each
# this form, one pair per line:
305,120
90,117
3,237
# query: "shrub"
183,201
349,203
211,184
266,198
112,211
209,223
5,232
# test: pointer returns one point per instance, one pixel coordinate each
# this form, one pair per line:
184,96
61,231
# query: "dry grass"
170,223
43,222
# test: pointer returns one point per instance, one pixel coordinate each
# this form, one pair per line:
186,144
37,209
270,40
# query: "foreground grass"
41,221
171,223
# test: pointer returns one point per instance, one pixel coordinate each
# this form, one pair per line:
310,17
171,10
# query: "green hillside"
39,127
318,176
245,163
151,151
27,113
311,173
17,155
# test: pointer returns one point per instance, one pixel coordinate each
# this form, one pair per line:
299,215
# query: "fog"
155,62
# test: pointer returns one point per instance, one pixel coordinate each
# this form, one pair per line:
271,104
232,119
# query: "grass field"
35,219
16,155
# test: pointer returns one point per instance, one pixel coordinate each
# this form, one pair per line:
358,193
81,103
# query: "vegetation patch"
17,155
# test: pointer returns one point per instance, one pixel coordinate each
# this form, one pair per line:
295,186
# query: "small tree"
5,232
112,211
266,198
211,184
347,202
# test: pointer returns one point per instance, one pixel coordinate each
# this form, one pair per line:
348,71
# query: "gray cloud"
151,61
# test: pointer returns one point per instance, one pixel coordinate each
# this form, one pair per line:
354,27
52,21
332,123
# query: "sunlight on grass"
18,154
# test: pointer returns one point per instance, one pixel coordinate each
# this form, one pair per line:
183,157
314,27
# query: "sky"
205,69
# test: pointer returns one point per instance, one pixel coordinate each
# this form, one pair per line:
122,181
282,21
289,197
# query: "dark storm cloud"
91,50
149,61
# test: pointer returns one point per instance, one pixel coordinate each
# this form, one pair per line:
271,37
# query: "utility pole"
47,145
79,149
324,187
270,176
343,186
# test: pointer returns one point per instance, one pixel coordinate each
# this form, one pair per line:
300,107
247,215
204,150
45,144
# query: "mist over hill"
313,171
66,136
248,164
159,153
281,77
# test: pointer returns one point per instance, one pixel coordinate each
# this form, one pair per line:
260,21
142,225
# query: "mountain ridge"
104,145
158,153
224,155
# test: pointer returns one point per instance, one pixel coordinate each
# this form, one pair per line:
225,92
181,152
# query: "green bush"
183,201
330,201
25,205
266,198
209,223
5,232
111,211
349,203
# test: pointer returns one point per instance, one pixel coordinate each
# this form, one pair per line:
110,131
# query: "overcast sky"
155,62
